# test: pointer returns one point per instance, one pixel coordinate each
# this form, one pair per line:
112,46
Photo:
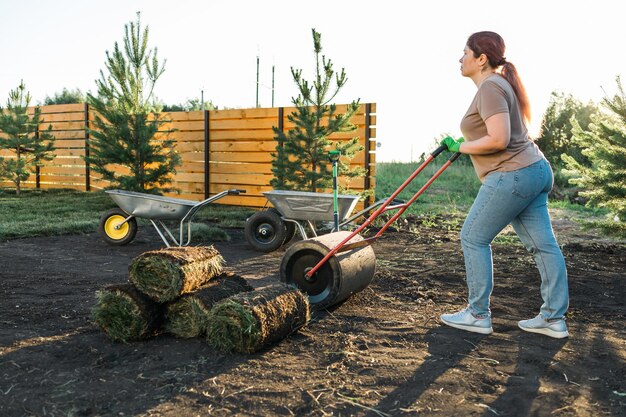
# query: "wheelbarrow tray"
150,206
304,205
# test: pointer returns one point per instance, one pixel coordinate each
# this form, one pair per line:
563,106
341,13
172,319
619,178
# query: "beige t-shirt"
495,95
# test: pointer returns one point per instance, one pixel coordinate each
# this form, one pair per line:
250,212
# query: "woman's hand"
454,145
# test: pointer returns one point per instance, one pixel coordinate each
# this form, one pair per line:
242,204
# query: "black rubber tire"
113,237
265,231
291,227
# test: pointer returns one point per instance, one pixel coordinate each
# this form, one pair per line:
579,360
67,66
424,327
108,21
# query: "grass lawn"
58,212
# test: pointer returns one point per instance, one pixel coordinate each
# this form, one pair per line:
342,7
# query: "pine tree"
604,144
555,137
301,158
127,119
21,136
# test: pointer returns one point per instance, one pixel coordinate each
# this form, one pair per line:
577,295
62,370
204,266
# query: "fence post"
37,168
207,152
367,185
87,169
281,127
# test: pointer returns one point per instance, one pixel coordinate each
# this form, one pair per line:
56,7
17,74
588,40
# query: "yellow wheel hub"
111,230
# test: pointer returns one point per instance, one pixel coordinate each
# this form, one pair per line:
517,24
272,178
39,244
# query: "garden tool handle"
334,159
455,156
437,151
442,148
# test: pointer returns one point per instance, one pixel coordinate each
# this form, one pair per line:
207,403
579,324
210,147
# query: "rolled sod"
125,314
247,322
166,274
186,316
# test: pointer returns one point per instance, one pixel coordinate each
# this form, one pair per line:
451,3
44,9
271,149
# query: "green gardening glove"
454,145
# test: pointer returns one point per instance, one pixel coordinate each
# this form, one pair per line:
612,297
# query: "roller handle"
442,148
454,157
437,151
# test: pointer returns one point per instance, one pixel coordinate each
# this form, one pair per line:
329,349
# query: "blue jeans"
519,198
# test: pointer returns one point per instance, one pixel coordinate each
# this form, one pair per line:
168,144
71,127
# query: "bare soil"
380,353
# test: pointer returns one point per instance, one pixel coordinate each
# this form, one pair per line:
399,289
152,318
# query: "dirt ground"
380,353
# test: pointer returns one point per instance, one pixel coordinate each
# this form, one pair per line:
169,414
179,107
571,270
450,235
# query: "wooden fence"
220,150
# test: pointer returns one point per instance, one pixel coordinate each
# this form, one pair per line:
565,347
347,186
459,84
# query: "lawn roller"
331,267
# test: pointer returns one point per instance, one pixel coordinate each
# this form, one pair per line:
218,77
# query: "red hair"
492,45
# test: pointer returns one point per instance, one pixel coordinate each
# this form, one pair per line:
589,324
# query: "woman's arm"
497,138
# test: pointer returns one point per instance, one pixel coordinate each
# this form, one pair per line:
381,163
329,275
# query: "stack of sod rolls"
135,311
249,321
183,291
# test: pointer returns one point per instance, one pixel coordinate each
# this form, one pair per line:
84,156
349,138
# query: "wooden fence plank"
64,125
238,124
69,134
244,146
69,143
243,113
62,179
266,134
70,152
60,117
50,169
234,168
241,157
250,179
62,108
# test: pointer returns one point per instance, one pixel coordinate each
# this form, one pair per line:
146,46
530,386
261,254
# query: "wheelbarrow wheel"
113,234
265,231
291,227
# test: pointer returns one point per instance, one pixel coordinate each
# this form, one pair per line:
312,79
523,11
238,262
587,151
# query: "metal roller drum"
344,274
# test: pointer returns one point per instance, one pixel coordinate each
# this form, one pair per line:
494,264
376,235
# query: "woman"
516,179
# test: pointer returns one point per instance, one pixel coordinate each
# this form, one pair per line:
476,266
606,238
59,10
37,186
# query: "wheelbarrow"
269,229
294,211
118,226
331,267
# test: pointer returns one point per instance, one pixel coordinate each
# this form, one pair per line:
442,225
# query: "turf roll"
247,322
166,274
125,314
186,316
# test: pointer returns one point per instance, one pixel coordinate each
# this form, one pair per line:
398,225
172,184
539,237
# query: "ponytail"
509,72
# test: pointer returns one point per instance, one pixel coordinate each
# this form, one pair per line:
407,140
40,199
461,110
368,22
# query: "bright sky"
401,55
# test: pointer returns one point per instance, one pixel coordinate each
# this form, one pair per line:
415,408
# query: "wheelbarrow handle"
235,191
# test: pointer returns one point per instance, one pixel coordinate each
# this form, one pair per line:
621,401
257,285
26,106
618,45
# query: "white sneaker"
553,328
465,320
